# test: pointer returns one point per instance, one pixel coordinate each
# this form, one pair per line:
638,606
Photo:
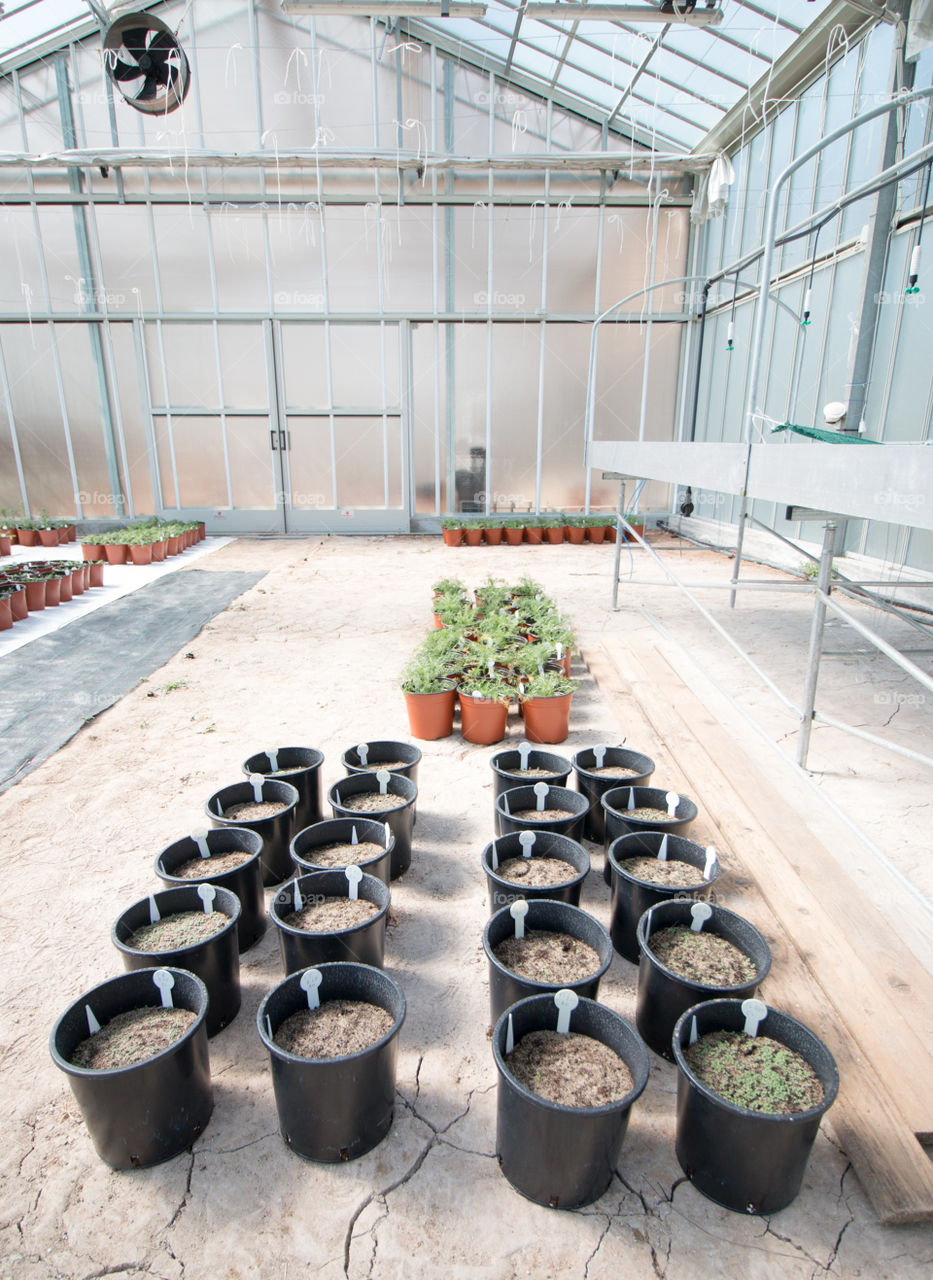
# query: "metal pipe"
816,641
880,643
617,554
873,737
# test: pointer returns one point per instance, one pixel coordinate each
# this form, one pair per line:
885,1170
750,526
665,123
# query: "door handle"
283,441
272,440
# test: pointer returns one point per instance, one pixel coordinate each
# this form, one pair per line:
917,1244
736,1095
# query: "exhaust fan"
146,63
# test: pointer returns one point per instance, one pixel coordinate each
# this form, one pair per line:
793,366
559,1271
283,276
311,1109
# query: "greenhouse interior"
567,324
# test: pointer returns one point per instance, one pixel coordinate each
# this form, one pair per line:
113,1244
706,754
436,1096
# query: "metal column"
816,641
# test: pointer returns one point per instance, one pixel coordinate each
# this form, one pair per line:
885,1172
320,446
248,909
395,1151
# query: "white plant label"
309,982
363,752
92,1023
491,668
518,910
509,1035
673,800
354,838
541,794
700,912
524,752
164,981
527,840
631,799
388,834
662,850
693,1037
297,901
269,1027
494,856
755,1012
272,755
382,777
354,876
560,653
711,862
207,893
599,755
154,916
255,781
566,1002
505,803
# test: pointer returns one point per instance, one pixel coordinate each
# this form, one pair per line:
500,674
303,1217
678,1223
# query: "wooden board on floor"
817,973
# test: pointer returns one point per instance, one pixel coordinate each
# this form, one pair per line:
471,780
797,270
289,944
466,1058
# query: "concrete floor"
309,656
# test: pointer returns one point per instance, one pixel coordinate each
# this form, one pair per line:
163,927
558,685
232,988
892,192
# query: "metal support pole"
617,560
816,641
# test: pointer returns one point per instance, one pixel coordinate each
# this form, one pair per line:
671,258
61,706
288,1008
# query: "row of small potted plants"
535,528
28,586
31,531
146,542
509,643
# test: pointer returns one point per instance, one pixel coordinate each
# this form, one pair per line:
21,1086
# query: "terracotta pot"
547,719
639,529
431,715
97,573
77,582
159,551
87,576
35,595
92,551
493,536
611,533
48,537
473,537
26,537
482,721
71,533
53,592
201,531
534,533
6,545
574,533
174,546
514,537
65,588
597,533
115,553
554,536
452,537
18,606
6,613
141,555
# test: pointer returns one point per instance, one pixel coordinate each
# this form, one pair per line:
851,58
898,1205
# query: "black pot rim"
587,770
288,808
382,742
233,918
302,859
655,824
513,884
164,874
109,1072
397,785
645,945
577,804
619,865
503,771
559,1107
330,933
299,768
546,988
770,1117
347,1057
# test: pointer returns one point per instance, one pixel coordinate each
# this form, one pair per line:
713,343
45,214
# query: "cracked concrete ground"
309,656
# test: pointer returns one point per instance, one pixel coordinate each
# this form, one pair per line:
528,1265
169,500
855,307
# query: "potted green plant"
545,700
473,531
429,697
513,531
484,709
47,530
554,528
574,529
26,534
452,531
534,528
598,527
493,530
92,548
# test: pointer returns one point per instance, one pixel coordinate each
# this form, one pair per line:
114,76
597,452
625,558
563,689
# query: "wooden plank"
870,1127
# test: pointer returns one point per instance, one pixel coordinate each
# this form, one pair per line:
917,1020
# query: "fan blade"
120,70
134,40
162,40
150,89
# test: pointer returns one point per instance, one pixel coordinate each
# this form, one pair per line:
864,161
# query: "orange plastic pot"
547,719
97,573
35,595
26,537
115,553
554,536
574,533
53,592
597,533
48,537
6,545
92,551
452,537
639,529
431,715
77,582
482,721
174,545
6,613
493,536
514,537
201,531
18,606
473,537
141,555
65,588
534,533
159,551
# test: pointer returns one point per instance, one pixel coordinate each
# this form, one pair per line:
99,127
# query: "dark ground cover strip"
51,687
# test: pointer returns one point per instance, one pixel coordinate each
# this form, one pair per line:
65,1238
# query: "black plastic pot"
553,1154
245,880
384,750
595,785
304,774
340,831
276,831
216,960
616,823
146,1113
547,845
506,987
400,818
664,995
504,764
334,1109
557,798
364,944
745,1160
631,897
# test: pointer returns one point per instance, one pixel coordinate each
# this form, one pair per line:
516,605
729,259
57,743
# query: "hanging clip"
913,277
807,306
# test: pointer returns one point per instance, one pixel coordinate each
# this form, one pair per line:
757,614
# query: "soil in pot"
542,815
702,957
529,773
198,868
333,1030
673,874
755,1072
570,1069
251,810
616,771
345,855
332,914
184,929
382,764
546,956
132,1037
647,813
372,802
536,871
